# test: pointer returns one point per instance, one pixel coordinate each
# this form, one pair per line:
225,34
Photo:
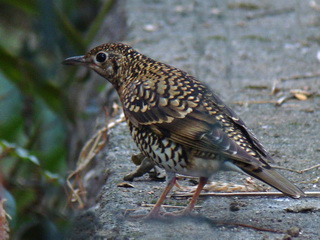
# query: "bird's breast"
171,156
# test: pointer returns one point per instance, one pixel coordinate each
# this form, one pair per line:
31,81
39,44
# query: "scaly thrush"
179,123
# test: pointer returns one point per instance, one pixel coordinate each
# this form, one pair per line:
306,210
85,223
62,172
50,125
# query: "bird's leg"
171,180
189,208
202,181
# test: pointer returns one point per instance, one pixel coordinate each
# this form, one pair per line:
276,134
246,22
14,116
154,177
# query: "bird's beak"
77,60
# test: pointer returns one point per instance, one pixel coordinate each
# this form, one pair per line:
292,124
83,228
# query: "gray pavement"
239,49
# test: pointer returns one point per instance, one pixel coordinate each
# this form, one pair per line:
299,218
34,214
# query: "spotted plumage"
180,123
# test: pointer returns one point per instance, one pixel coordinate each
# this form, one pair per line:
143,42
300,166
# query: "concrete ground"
244,50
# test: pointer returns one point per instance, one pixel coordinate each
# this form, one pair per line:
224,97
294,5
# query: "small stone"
302,208
215,11
318,55
287,237
180,9
294,231
151,27
236,206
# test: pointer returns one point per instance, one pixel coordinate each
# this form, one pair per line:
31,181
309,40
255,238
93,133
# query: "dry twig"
92,147
245,103
297,77
242,194
4,225
293,77
297,171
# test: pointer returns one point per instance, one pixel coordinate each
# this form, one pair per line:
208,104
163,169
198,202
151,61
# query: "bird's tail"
276,180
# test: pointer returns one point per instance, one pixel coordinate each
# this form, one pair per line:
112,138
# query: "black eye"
101,57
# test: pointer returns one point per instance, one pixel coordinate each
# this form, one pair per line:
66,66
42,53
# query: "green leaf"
51,176
24,154
13,150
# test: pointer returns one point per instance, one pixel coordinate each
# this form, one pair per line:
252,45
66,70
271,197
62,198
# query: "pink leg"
188,209
171,180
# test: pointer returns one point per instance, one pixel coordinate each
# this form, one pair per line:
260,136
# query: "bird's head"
110,60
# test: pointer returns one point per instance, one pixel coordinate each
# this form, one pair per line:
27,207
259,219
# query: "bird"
180,123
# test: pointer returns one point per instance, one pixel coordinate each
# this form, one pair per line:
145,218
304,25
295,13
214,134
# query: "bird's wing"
192,116
242,126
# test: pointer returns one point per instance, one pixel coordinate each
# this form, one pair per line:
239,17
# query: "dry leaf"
125,185
300,96
248,186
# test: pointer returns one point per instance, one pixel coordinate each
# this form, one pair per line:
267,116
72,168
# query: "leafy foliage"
35,108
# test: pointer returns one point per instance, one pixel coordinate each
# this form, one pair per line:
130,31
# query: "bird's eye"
101,57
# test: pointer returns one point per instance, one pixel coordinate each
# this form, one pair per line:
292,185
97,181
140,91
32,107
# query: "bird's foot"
142,214
182,213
